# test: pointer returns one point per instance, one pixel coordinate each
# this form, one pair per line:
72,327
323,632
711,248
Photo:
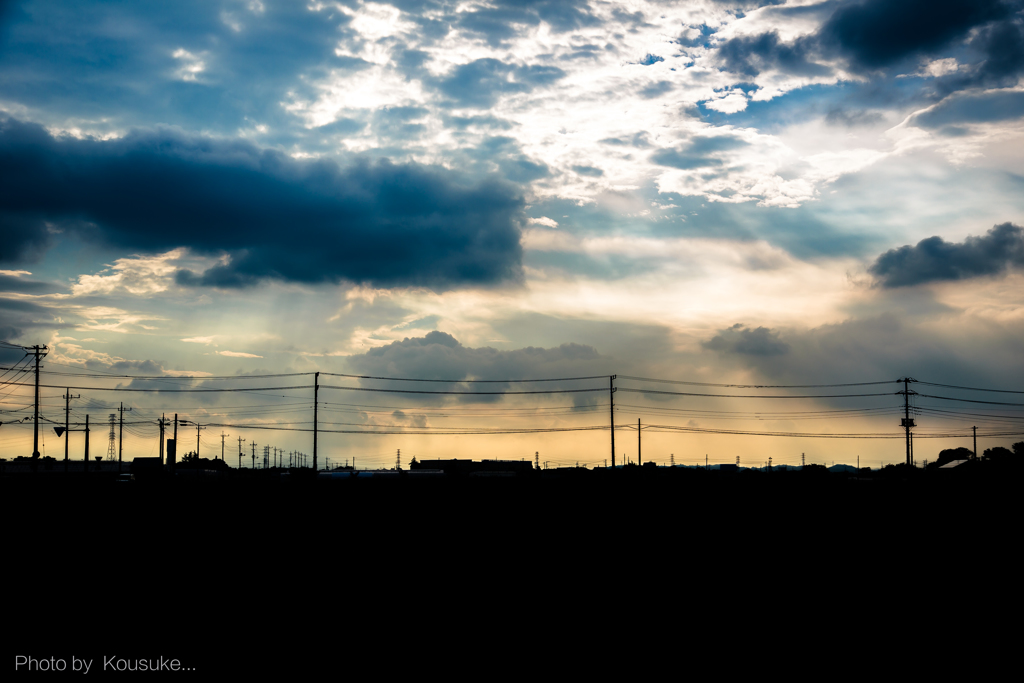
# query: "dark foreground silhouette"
302,575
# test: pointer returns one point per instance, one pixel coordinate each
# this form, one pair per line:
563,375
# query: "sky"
719,192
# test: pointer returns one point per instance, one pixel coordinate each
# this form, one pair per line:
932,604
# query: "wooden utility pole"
611,413
316,392
163,424
87,442
39,352
120,434
67,424
907,423
197,439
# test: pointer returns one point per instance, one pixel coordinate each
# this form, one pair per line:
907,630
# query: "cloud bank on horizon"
731,185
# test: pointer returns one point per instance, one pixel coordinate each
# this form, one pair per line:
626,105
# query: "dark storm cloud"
481,82
20,285
17,318
115,61
874,34
741,339
694,154
372,222
752,55
21,306
23,240
499,20
935,259
439,355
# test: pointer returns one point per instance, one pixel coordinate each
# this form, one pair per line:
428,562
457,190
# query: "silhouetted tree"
949,455
998,454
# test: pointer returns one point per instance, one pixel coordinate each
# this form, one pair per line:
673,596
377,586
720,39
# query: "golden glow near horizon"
678,191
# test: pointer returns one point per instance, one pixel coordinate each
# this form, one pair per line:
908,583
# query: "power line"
680,393
111,375
814,435
466,381
756,386
171,391
953,386
461,393
971,400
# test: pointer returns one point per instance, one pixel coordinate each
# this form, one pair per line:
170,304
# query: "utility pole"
254,455
975,429
197,439
87,442
67,425
639,457
536,460
173,457
172,446
907,423
398,460
38,351
240,442
611,412
163,423
316,392
120,435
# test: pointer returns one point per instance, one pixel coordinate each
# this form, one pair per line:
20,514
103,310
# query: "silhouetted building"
476,468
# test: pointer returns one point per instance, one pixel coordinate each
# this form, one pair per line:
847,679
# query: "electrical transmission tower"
266,457
112,443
